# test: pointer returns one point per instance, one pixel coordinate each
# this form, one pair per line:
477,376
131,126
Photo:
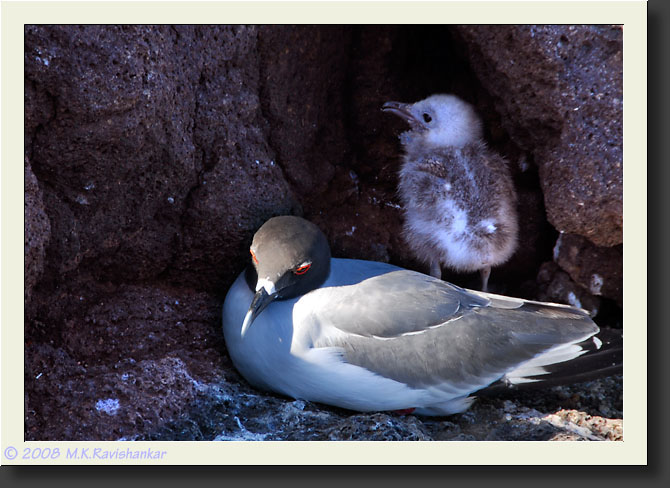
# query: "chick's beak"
403,110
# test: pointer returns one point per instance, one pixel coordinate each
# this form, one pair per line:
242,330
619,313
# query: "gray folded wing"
427,333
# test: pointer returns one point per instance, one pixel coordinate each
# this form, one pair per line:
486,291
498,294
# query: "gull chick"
458,196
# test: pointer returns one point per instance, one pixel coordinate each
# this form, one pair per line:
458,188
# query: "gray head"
439,120
291,257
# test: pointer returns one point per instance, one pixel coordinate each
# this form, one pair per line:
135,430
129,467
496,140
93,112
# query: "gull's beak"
258,304
403,110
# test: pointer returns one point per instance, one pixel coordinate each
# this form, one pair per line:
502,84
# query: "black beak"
398,108
403,111
258,304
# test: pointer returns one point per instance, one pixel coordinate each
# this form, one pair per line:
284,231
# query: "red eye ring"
253,256
301,270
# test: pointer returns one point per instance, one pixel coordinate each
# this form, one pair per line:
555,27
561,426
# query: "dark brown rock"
102,403
555,285
306,120
39,109
598,269
143,323
116,161
36,234
132,362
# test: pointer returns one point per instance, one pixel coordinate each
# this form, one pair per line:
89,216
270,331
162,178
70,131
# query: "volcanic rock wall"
153,153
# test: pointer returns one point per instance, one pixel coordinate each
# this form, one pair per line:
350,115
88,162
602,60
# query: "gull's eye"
302,269
253,256
427,118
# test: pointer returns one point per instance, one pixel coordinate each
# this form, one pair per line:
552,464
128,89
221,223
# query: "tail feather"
603,358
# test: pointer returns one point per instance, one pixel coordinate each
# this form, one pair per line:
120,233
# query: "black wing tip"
603,358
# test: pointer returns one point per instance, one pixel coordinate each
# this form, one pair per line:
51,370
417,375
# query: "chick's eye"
302,269
253,256
427,118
